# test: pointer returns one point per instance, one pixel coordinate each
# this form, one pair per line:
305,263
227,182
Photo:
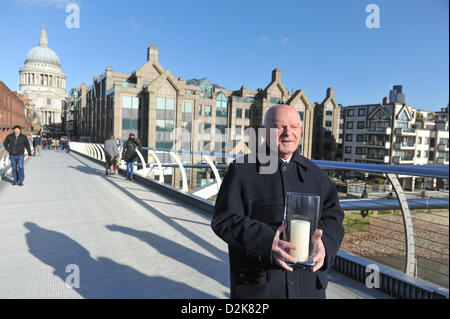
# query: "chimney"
385,100
152,53
330,92
276,75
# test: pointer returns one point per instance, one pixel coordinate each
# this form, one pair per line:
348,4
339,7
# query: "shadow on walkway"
207,266
102,277
168,220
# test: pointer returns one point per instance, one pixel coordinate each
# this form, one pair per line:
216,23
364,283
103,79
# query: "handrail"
436,171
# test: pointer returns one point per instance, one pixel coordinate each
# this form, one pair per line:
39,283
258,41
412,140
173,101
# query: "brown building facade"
12,112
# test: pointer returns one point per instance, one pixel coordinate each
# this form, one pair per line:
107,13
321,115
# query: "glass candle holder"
301,217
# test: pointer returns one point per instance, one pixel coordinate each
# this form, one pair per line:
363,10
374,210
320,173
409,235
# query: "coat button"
290,282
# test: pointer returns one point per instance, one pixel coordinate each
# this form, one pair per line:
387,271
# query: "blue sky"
316,44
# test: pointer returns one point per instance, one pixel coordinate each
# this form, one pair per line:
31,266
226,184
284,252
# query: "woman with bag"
129,154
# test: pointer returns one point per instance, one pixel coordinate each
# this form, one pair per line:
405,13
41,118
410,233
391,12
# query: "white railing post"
215,171
183,171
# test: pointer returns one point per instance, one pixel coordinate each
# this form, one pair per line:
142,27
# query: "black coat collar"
302,163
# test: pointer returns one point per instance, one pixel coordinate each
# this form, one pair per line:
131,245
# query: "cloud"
284,41
135,25
264,38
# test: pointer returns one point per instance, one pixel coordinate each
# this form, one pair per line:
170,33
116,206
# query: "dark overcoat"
250,207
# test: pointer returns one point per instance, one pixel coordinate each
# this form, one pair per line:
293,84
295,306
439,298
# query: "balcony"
376,158
402,160
379,130
442,147
384,145
404,146
409,131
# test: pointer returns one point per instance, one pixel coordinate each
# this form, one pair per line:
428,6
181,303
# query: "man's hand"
281,257
320,254
29,157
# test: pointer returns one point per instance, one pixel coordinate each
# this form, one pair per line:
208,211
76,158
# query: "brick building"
12,112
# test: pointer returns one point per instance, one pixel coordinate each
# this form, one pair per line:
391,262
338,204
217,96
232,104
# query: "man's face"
289,130
17,131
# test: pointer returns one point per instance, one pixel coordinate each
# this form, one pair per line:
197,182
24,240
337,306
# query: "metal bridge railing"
407,230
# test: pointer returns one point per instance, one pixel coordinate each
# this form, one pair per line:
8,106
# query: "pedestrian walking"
37,145
111,152
15,144
129,154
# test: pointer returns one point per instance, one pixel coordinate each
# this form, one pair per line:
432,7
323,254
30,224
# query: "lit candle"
300,238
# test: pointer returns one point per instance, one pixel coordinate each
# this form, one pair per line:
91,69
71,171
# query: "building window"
130,115
221,128
360,125
207,128
206,89
239,113
349,125
361,112
221,105
418,154
329,112
238,129
419,140
200,109
360,150
443,155
49,101
165,104
403,120
275,100
360,138
328,123
249,99
350,112
302,115
247,113
427,140
164,145
349,137
207,110
164,125
187,107
348,150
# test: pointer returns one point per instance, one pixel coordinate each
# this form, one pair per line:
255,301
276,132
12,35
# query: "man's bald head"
274,110
286,120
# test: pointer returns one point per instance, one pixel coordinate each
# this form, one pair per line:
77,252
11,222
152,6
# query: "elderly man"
16,143
249,213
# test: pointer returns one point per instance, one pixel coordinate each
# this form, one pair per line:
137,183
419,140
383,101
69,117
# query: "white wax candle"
300,238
